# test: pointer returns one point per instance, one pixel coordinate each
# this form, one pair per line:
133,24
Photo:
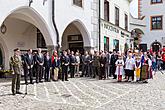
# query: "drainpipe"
54,24
99,20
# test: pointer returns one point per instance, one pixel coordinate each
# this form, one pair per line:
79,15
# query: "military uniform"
96,65
16,64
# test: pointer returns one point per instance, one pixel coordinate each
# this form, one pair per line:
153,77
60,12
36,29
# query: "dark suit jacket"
39,59
47,62
29,61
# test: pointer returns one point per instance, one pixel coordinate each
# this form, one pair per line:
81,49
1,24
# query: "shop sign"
110,27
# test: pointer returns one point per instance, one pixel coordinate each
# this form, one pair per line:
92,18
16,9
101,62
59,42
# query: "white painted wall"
67,13
124,8
149,10
41,16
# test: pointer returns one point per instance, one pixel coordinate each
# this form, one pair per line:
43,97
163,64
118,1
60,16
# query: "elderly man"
40,62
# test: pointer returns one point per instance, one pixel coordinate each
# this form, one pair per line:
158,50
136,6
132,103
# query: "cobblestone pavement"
87,94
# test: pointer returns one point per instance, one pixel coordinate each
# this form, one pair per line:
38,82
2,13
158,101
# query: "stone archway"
137,36
30,24
76,37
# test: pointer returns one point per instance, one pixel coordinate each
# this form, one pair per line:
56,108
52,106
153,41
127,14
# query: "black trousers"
96,71
102,72
84,69
72,71
47,74
64,73
39,74
26,71
129,73
113,71
90,70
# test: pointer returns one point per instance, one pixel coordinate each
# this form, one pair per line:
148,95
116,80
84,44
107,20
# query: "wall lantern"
30,2
3,28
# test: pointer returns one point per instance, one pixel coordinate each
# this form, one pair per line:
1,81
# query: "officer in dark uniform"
65,64
29,62
16,65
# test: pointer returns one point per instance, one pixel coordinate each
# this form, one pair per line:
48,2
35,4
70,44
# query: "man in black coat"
84,64
47,65
29,62
72,64
114,58
65,61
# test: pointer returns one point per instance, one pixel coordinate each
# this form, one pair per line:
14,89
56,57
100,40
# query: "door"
1,60
76,46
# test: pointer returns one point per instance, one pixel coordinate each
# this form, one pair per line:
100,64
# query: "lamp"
3,28
30,2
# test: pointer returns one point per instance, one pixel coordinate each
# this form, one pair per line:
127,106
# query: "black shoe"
41,81
32,83
13,93
18,92
67,80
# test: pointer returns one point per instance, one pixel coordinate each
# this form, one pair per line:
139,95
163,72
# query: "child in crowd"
119,68
137,67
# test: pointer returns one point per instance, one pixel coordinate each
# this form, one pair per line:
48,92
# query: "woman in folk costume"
138,67
55,65
146,69
119,68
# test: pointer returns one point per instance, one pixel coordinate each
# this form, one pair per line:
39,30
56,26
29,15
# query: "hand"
31,66
28,67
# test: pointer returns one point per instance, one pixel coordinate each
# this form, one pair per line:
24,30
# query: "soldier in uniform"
96,64
16,64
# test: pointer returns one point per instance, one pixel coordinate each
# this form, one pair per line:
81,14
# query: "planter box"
5,73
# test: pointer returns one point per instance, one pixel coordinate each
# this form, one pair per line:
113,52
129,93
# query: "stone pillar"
95,23
51,48
88,48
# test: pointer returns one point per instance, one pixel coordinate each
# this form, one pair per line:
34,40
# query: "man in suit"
85,64
40,62
65,64
47,65
72,64
16,65
90,65
29,62
107,65
114,58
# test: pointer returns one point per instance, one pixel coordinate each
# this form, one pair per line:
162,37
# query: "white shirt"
130,64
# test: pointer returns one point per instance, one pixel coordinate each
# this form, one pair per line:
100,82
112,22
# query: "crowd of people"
128,67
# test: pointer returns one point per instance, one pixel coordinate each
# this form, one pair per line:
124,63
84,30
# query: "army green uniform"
16,64
96,65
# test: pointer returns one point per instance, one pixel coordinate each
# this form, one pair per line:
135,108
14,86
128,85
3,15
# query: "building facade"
153,14
46,24
115,26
